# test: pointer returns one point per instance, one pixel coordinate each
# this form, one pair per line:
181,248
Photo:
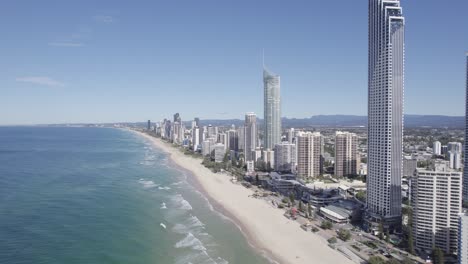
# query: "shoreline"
275,237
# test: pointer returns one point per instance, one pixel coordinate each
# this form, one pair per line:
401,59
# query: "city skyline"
79,63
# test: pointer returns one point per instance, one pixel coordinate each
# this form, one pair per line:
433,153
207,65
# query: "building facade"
272,109
385,113
309,156
409,166
437,148
250,136
463,239
465,171
436,199
345,154
285,157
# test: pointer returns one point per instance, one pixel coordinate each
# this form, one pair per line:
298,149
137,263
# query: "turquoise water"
98,195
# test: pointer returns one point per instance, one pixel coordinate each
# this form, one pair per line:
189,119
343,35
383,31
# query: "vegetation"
375,260
361,196
326,225
356,247
344,234
309,209
381,231
314,229
332,240
438,256
292,198
370,244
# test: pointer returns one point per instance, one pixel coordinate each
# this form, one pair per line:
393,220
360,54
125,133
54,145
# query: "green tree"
326,225
410,242
361,196
332,240
387,236
438,256
344,234
375,260
301,206
381,231
292,198
309,209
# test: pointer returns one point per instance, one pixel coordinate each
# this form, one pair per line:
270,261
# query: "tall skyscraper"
436,198
271,109
465,171
149,125
250,135
385,113
309,154
345,154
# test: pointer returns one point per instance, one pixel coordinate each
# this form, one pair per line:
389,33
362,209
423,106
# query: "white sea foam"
162,225
163,206
181,203
177,183
148,184
190,225
190,241
185,205
164,188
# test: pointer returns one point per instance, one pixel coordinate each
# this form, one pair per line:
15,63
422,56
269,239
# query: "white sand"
264,226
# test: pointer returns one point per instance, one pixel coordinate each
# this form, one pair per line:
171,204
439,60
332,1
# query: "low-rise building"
343,211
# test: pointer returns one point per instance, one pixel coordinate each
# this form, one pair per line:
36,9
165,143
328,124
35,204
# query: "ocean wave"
164,188
190,225
163,206
177,183
190,241
148,184
181,203
199,258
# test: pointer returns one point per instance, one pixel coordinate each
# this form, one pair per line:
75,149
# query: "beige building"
345,154
436,197
309,154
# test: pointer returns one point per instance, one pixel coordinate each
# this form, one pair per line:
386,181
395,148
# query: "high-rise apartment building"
285,157
233,140
272,109
436,198
195,138
345,154
455,159
463,239
385,113
250,135
309,154
409,166
149,125
465,171
437,148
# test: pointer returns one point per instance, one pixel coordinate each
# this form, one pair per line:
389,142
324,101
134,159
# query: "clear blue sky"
106,61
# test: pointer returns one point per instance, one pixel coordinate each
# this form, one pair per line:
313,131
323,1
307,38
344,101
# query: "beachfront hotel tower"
272,109
385,113
465,171
250,136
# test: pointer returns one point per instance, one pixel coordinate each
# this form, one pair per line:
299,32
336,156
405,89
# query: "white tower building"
385,113
272,109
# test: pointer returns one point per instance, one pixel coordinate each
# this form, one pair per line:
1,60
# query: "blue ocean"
102,195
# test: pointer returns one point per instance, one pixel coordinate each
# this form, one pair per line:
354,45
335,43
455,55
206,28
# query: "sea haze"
99,195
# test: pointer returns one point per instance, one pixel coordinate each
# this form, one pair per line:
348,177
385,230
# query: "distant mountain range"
436,121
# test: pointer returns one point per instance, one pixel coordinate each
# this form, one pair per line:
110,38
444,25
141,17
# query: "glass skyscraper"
272,109
385,112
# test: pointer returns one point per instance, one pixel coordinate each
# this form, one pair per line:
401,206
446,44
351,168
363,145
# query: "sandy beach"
265,227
